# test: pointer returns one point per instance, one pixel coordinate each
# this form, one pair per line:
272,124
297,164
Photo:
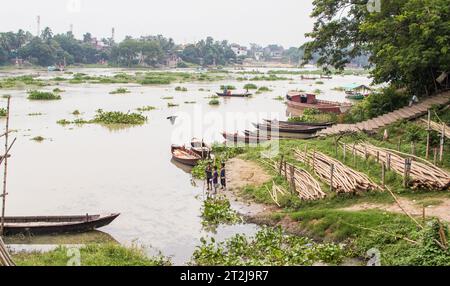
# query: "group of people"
213,176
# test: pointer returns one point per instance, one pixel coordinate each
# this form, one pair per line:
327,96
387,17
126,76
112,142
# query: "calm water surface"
96,169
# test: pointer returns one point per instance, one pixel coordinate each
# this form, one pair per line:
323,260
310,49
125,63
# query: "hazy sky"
243,21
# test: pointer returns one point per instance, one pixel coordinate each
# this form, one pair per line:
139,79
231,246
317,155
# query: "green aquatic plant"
38,138
228,87
42,95
179,88
214,102
264,89
35,114
279,98
117,117
58,90
167,97
250,86
268,247
319,82
146,108
3,112
217,210
170,104
76,112
120,90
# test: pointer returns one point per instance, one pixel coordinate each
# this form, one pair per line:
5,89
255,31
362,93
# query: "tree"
407,40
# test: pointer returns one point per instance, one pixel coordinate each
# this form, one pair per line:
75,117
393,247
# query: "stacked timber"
441,128
5,258
301,182
421,173
341,178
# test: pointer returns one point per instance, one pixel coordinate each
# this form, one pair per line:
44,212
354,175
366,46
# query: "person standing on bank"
223,180
215,179
208,172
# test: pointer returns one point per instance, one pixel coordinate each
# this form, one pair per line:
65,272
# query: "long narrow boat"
301,101
279,135
326,124
236,138
38,225
247,94
185,156
308,77
200,147
287,129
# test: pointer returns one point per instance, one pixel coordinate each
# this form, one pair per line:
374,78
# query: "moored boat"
200,147
288,128
225,94
185,156
236,138
355,96
325,124
308,77
38,225
303,101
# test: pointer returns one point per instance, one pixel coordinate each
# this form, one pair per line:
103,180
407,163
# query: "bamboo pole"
5,172
427,152
441,151
383,175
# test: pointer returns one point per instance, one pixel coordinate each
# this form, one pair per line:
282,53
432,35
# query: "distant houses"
239,51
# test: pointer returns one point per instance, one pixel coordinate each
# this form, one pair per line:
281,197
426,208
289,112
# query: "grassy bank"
90,255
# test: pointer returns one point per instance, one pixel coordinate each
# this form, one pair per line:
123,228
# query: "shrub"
41,95
179,88
250,86
214,102
120,90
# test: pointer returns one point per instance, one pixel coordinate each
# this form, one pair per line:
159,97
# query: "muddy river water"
97,169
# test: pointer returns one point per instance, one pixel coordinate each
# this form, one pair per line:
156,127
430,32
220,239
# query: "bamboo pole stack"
439,127
274,193
5,258
302,182
341,178
420,174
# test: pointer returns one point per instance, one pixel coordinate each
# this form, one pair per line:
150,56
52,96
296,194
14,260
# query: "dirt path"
441,210
242,173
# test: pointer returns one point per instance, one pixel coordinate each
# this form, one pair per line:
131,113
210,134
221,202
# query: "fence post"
291,167
331,176
383,174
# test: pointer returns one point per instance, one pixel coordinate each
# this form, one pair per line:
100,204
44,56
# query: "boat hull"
233,94
186,161
326,108
55,224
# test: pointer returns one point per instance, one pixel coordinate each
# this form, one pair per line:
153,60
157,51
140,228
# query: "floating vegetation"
145,108
38,138
120,90
76,112
338,88
167,97
3,112
268,247
264,88
319,82
278,98
110,117
228,87
117,117
250,86
190,102
217,210
271,77
58,90
42,95
6,96
214,102
170,104
179,88
26,80
317,91
35,114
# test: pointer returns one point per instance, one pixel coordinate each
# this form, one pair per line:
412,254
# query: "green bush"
41,95
214,102
120,90
250,86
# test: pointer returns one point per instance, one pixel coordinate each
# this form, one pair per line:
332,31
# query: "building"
172,61
239,51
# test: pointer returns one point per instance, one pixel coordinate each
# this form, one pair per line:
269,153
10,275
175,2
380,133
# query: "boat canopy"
357,87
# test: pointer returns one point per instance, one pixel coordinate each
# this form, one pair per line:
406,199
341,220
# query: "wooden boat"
308,77
185,156
355,96
236,138
279,135
200,147
295,123
38,225
288,128
247,94
303,101
326,77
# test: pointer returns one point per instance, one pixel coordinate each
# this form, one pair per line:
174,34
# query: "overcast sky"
242,21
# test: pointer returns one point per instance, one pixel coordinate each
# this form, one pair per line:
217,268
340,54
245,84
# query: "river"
96,169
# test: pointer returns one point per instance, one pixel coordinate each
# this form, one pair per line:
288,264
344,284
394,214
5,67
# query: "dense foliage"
269,247
217,210
408,40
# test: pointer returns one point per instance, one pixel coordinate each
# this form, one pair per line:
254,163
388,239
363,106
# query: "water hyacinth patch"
42,95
